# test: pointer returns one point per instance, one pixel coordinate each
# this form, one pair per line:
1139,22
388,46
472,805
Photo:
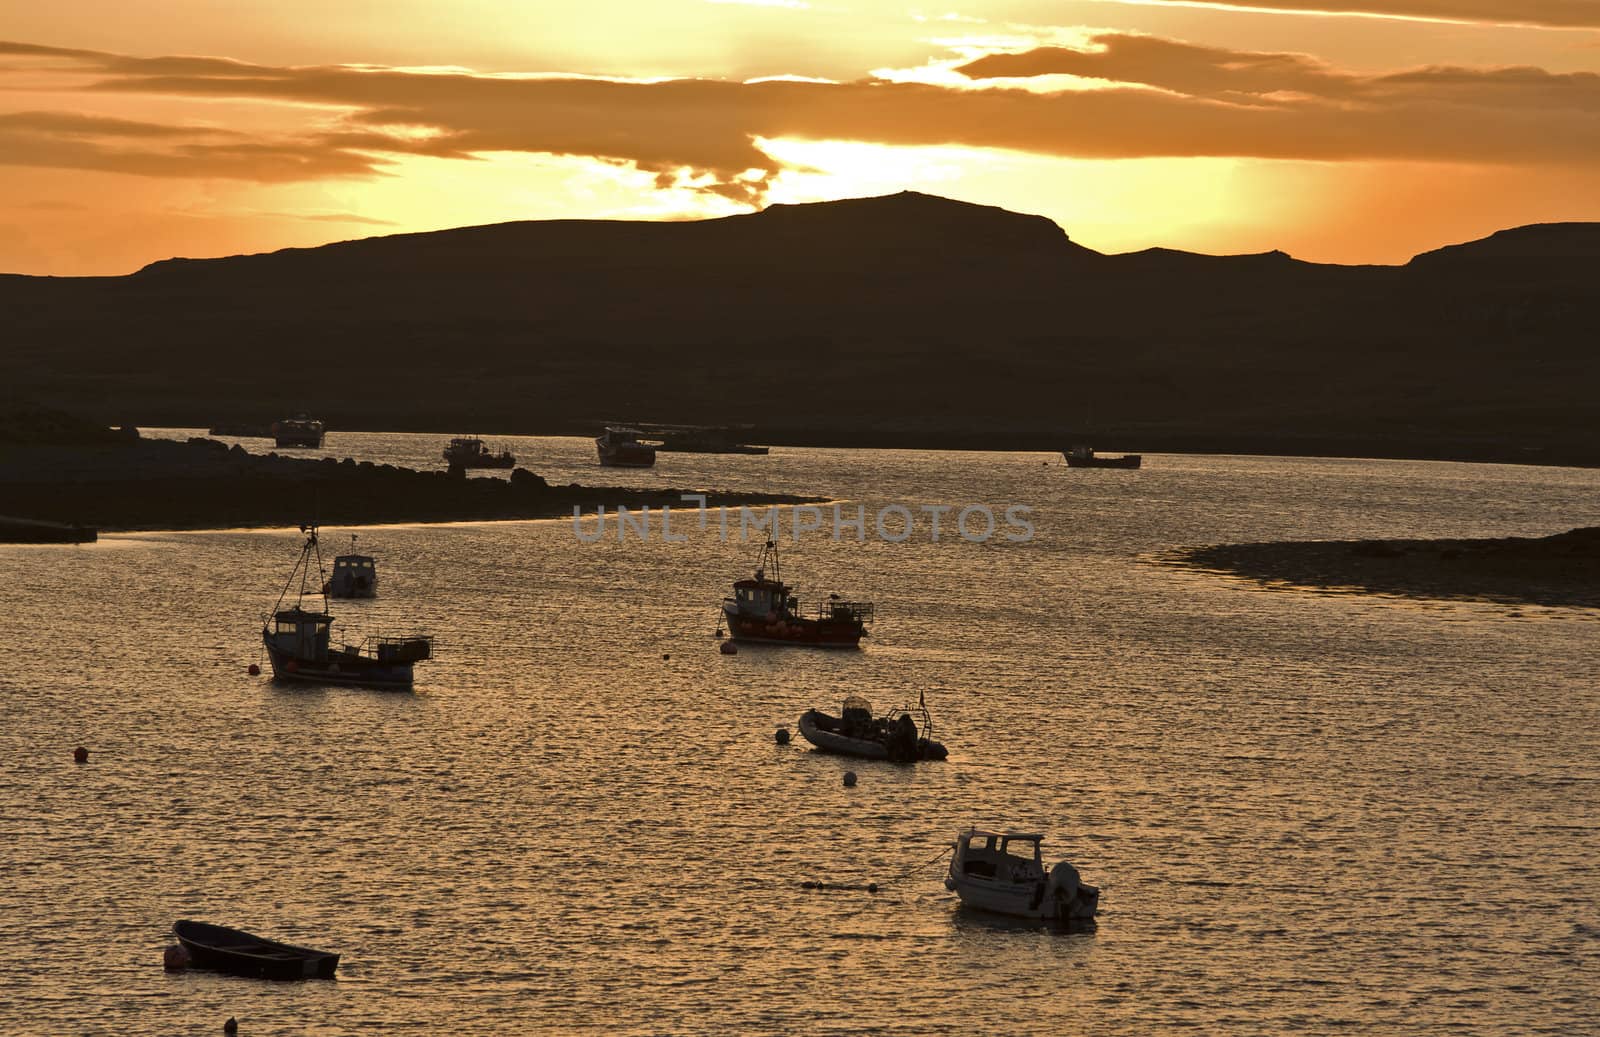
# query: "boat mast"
302,568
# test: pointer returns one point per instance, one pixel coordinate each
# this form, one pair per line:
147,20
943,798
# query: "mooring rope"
873,887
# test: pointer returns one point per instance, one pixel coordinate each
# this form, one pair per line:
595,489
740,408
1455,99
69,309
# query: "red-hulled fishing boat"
763,609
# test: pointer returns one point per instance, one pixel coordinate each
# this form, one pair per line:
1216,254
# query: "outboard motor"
903,740
1064,885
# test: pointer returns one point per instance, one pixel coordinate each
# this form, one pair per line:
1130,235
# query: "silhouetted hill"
907,320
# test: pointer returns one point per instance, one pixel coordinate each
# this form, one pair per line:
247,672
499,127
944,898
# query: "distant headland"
905,321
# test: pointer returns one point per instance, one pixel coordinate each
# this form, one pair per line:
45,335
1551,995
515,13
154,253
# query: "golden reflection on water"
1307,812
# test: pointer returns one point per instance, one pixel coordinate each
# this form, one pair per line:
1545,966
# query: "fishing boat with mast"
298,639
762,609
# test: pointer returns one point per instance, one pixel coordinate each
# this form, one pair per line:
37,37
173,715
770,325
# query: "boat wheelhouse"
1003,872
762,609
620,448
472,452
298,431
354,575
299,640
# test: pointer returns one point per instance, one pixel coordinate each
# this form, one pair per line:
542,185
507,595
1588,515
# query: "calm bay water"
1309,813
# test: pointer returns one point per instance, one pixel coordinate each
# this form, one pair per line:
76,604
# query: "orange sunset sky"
1338,130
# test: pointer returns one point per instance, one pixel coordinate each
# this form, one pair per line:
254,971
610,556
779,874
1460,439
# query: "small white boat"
1003,872
354,575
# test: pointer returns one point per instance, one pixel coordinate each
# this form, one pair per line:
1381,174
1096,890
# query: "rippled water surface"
1309,813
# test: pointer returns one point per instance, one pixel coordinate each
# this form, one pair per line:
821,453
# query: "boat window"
287,628
366,565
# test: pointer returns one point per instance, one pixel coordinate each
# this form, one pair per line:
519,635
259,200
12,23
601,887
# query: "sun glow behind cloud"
1220,130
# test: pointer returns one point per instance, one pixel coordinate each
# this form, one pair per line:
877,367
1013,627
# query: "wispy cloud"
1550,14
1156,98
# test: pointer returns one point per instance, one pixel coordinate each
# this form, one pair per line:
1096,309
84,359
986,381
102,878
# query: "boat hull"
812,729
805,633
1126,461
833,742
627,456
340,668
1037,898
235,951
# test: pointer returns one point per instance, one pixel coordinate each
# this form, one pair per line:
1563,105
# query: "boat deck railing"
836,609
401,649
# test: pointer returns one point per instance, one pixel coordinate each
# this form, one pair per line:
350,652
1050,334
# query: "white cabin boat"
1003,872
354,575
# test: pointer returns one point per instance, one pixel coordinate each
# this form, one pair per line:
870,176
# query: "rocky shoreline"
1558,570
123,482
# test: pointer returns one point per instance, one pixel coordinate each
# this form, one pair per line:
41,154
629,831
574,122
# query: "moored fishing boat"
472,452
222,949
354,575
897,736
620,448
299,646
1083,456
298,431
987,873
762,609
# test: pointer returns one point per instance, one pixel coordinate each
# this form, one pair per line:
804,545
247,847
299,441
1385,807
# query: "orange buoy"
80,755
175,958
728,648
254,671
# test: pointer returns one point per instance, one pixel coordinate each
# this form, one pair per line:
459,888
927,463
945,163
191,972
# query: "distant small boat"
241,430
233,950
354,575
298,431
472,452
620,448
896,737
1085,457
706,441
762,609
987,874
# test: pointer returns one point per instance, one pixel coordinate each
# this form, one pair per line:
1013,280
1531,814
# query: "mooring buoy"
80,755
781,736
849,779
